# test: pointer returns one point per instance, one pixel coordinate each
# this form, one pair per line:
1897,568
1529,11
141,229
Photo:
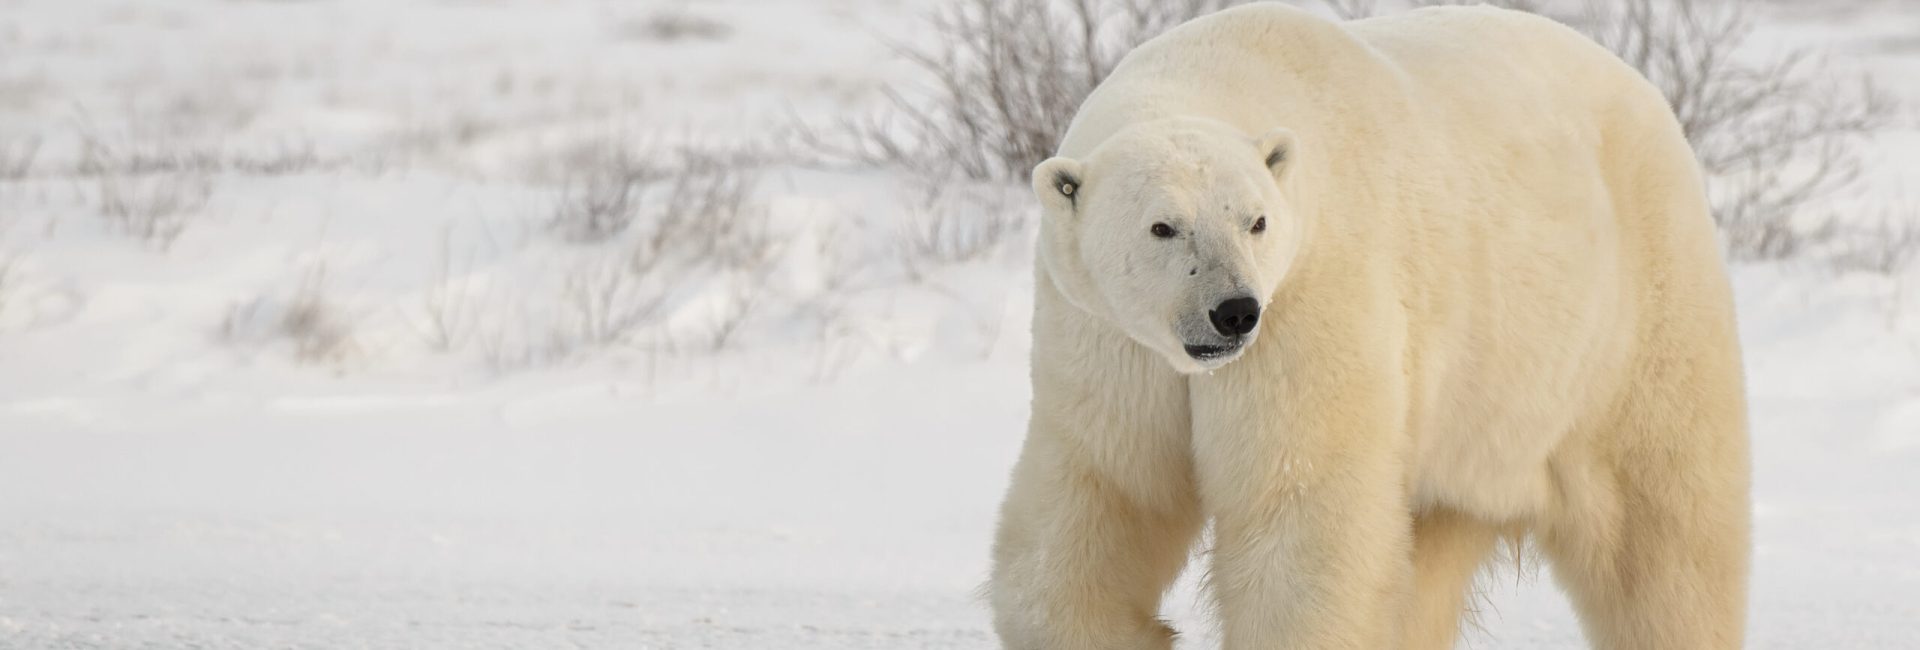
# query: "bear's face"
1177,232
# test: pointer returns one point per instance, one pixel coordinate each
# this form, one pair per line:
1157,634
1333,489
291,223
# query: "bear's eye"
1161,230
1259,225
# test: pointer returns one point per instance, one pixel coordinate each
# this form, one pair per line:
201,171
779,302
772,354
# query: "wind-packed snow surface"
365,397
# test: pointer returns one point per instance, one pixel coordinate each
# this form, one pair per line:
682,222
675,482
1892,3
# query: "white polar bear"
1370,297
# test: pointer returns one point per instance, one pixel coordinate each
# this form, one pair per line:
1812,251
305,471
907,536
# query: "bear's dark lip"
1204,352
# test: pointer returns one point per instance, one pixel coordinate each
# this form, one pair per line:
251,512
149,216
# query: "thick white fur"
1494,307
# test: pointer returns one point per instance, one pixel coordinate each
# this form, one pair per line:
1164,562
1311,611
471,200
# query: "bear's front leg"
1298,467
1102,510
1079,564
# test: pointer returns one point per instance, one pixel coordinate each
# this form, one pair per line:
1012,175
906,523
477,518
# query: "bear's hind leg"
1650,538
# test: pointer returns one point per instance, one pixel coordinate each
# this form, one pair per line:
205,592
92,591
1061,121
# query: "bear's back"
1504,68
1490,68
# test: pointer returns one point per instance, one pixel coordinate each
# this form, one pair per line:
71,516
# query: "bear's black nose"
1236,316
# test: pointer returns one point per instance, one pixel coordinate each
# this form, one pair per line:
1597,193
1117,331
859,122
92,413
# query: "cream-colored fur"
1493,307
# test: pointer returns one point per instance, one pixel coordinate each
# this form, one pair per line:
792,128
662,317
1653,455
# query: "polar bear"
1370,297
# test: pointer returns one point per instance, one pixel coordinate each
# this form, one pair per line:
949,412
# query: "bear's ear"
1056,181
1277,148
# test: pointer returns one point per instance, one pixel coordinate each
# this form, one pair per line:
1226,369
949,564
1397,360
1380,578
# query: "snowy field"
294,355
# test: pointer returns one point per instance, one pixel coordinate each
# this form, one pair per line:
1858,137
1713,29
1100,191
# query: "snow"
174,474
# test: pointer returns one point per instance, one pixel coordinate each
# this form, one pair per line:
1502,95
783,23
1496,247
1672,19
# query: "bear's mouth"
1205,352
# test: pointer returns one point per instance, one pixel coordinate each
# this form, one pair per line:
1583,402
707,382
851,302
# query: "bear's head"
1175,231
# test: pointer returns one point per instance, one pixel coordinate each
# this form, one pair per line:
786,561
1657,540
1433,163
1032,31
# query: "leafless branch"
1006,78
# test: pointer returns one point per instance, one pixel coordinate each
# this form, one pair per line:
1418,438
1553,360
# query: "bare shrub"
733,310
666,229
17,156
1774,138
674,24
153,188
1885,242
1007,76
101,156
597,303
838,265
448,309
600,198
154,208
709,226
281,157
700,205
308,320
704,214
715,192
610,152
604,302
1353,9
314,324
954,225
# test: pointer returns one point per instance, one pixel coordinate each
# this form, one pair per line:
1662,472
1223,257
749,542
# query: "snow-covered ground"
367,397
